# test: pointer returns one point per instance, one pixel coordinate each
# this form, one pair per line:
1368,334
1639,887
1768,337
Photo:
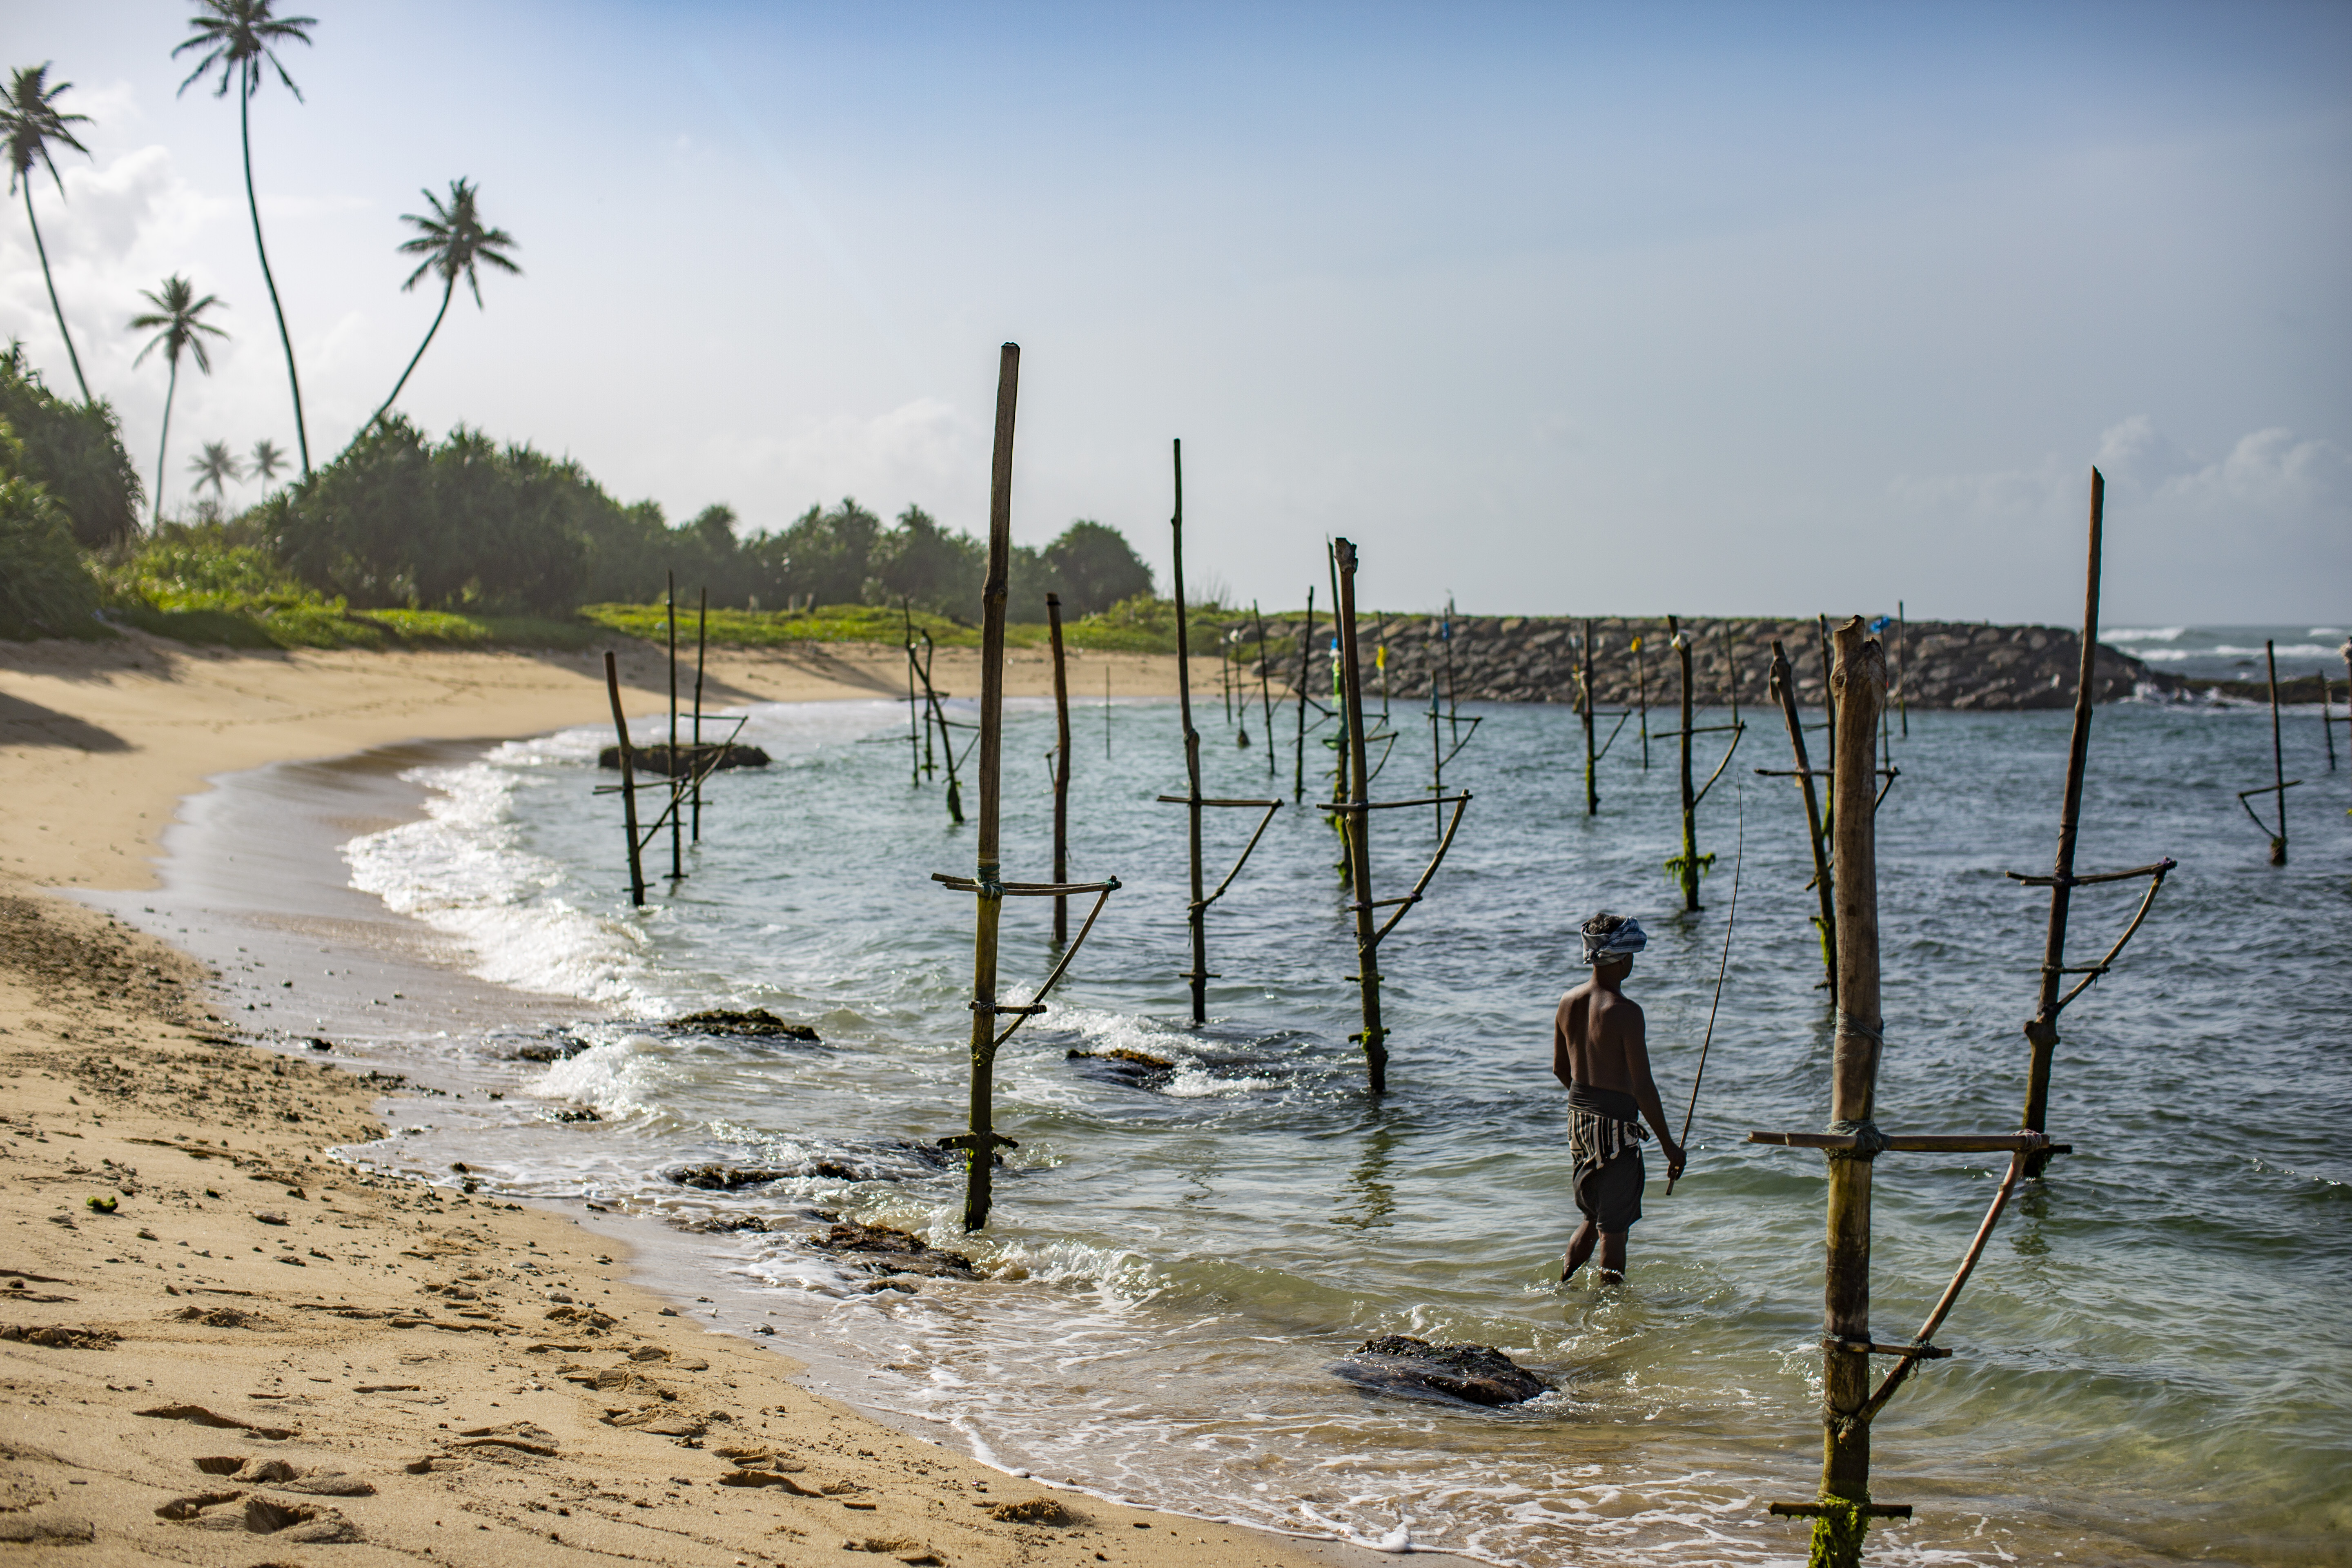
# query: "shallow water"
2150,1360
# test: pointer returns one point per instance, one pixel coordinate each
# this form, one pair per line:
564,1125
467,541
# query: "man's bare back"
1600,1055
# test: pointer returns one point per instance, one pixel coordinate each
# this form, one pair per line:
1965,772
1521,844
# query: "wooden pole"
702,644
2278,759
2347,652
1061,770
1196,913
1106,711
1358,827
1305,674
2326,723
1731,673
914,746
2041,1030
981,1146
1784,687
676,833
1687,866
1584,701
1859,681
1641,690
1265,688
628,781
1903,686
1829,698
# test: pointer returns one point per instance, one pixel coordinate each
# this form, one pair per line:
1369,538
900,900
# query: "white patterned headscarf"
1609,937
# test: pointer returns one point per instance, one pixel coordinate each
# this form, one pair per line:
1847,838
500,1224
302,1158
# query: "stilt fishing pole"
1738,856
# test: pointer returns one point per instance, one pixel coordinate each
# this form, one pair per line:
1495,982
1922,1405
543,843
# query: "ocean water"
2234,653
2151,1361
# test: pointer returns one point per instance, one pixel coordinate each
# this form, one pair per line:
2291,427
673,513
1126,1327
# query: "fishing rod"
1739,857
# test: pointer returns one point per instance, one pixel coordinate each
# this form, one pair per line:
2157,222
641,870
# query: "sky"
1552,309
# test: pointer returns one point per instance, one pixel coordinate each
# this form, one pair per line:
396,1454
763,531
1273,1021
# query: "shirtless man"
1599,1052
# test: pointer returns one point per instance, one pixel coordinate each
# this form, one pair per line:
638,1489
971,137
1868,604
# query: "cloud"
921,449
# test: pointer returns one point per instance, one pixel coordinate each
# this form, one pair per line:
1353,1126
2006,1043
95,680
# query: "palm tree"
236,35
214,464
29,117
452,242
176,312
267,459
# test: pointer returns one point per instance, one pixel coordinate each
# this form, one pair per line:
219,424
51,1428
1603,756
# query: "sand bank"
98,741
243,1347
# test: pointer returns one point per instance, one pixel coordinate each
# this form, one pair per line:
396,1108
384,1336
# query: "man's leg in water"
1613,1257
1580,1247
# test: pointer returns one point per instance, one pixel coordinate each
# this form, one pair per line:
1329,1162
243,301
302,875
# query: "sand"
98,741
219,1345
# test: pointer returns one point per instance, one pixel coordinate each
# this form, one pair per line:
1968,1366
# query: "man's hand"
1676,1156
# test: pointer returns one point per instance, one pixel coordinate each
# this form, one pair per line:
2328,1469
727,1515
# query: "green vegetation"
30,120
74,451
43,590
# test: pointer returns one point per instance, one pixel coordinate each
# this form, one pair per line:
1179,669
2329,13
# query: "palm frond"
30,120
235,38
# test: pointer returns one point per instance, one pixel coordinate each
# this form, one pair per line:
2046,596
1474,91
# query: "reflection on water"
1183,1251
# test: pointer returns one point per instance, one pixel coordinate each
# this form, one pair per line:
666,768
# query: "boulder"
1478,1375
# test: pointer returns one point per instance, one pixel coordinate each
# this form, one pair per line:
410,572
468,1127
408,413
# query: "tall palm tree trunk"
447,288
60,309
245,131
164,446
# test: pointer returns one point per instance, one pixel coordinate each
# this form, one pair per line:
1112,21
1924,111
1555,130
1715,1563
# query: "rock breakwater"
1962,665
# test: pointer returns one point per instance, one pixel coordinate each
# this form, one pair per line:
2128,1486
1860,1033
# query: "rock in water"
887,1249
1398,1364
758,1023
660,758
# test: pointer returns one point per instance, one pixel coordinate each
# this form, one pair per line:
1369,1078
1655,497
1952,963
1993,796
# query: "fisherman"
1599,1053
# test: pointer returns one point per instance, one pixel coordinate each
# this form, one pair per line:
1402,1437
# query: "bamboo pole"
2278,759
677,845
1357,829
1584,701
1061,770
1687,871
2041,1030
702,644
1859,681
983,1137
1106,711
628,782
1196,910
1731,672
2347,652
1305,674
1784,687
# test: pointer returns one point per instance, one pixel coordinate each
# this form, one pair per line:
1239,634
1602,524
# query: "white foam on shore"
463,871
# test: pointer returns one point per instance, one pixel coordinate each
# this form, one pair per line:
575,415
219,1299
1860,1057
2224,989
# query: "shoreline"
361,1354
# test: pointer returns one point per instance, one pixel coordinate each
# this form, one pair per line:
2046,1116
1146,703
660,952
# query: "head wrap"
1608,938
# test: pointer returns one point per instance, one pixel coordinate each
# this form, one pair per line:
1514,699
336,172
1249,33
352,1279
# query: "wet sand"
245,1347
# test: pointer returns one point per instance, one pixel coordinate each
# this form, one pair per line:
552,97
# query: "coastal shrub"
74,451
1095,567
44,590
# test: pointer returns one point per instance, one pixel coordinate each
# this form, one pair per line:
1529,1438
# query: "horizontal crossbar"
2268,789
1187,800
997,1007
1921,1142
1871,1347
2158,869
1815,773
1027,890
1820,1510
1390,805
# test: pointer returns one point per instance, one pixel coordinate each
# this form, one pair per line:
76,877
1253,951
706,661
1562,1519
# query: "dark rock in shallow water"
759,1023
563,1048
1398,1364
886,1249
883,1159
660,758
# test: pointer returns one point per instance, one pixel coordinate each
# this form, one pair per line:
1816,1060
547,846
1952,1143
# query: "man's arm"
1563,1066
1645,1090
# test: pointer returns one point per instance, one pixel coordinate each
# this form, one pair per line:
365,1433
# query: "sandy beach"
216,1333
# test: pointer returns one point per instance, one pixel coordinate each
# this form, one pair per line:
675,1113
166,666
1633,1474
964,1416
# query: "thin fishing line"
1739,860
